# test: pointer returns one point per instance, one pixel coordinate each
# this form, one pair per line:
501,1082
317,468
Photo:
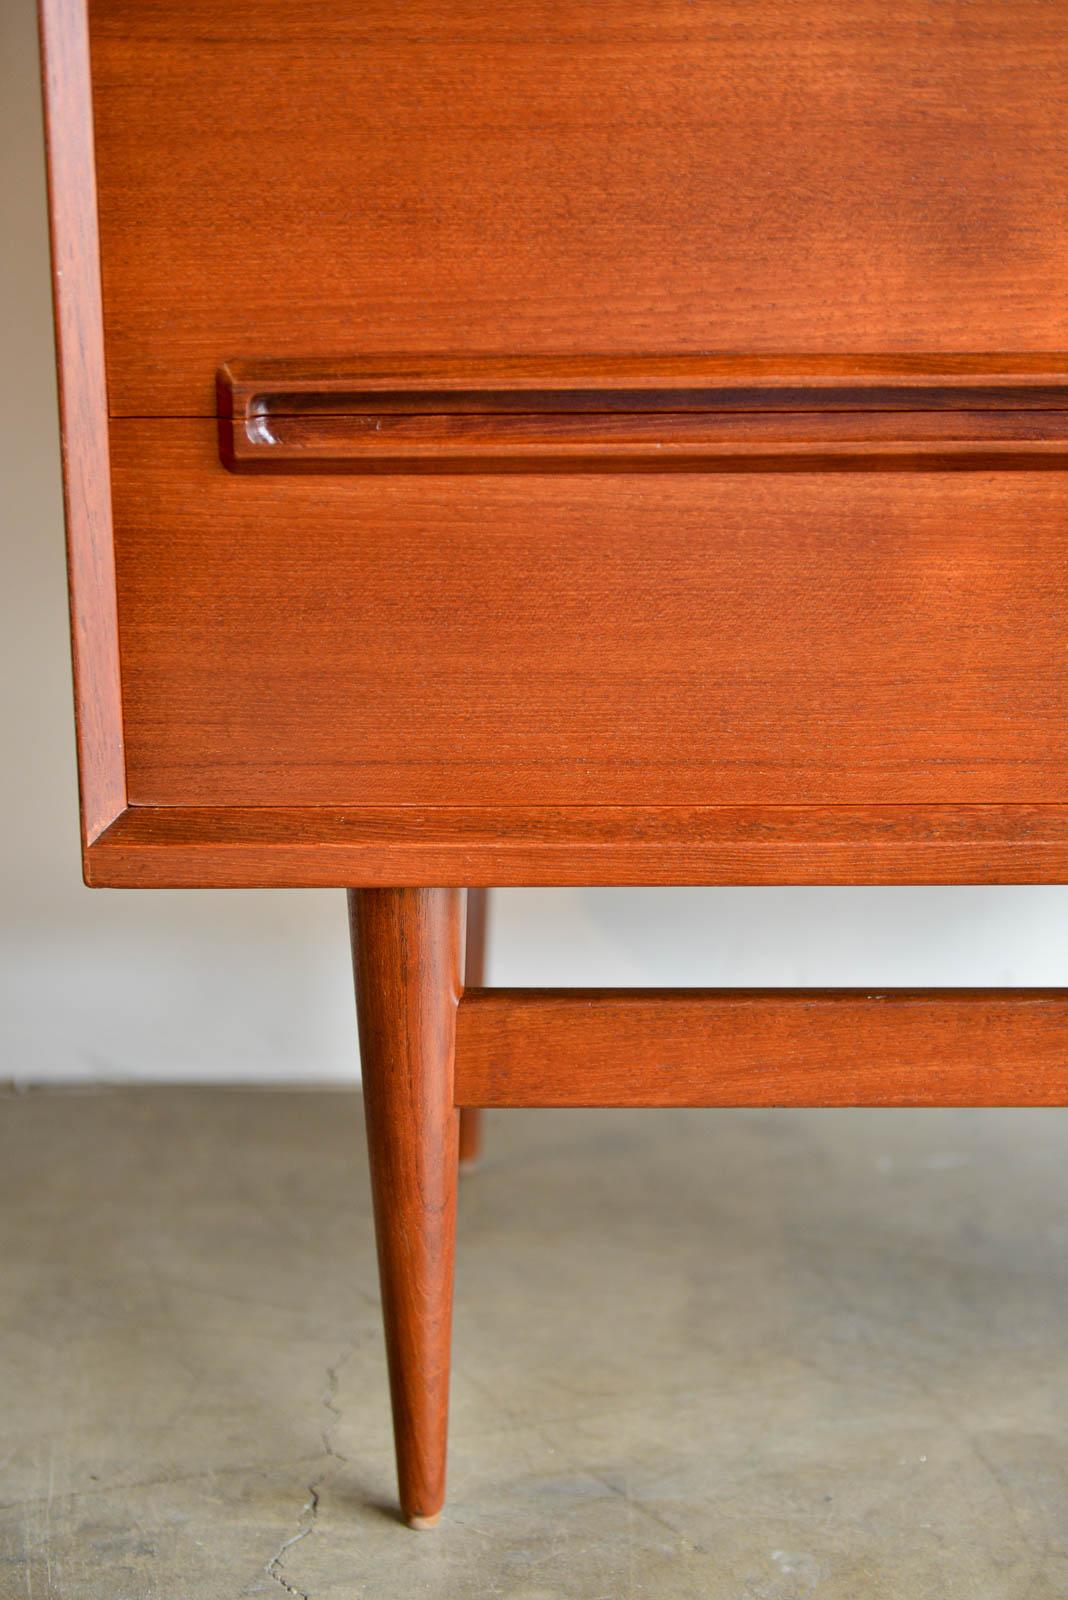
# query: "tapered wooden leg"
408,962
475,977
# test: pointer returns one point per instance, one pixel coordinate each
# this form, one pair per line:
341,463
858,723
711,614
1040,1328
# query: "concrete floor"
748,1355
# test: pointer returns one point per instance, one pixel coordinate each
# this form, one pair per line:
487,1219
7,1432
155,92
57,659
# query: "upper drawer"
316,177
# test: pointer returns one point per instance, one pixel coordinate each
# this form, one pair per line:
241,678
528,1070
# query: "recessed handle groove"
565,414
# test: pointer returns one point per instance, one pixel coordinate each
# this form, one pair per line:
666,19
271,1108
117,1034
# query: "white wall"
255,985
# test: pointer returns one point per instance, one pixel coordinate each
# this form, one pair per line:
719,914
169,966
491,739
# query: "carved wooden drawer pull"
689,413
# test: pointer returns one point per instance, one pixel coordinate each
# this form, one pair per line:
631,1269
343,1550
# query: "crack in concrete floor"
699,1357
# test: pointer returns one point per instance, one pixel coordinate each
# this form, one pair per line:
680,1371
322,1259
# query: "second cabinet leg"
407,957
470,1137
475,977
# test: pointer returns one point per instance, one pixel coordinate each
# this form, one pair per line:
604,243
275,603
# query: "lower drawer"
610,639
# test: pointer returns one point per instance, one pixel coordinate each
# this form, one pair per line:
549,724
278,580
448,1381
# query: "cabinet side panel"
83,411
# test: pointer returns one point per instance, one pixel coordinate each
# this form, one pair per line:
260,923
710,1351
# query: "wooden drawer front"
323,177
482,587
687,638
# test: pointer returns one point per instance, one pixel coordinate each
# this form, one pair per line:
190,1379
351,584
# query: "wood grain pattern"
661,1047
749,175
310,847
83,412
698,413
408,961
910,381
372,443
695,640
807,662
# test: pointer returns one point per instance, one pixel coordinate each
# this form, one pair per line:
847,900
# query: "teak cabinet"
604,443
